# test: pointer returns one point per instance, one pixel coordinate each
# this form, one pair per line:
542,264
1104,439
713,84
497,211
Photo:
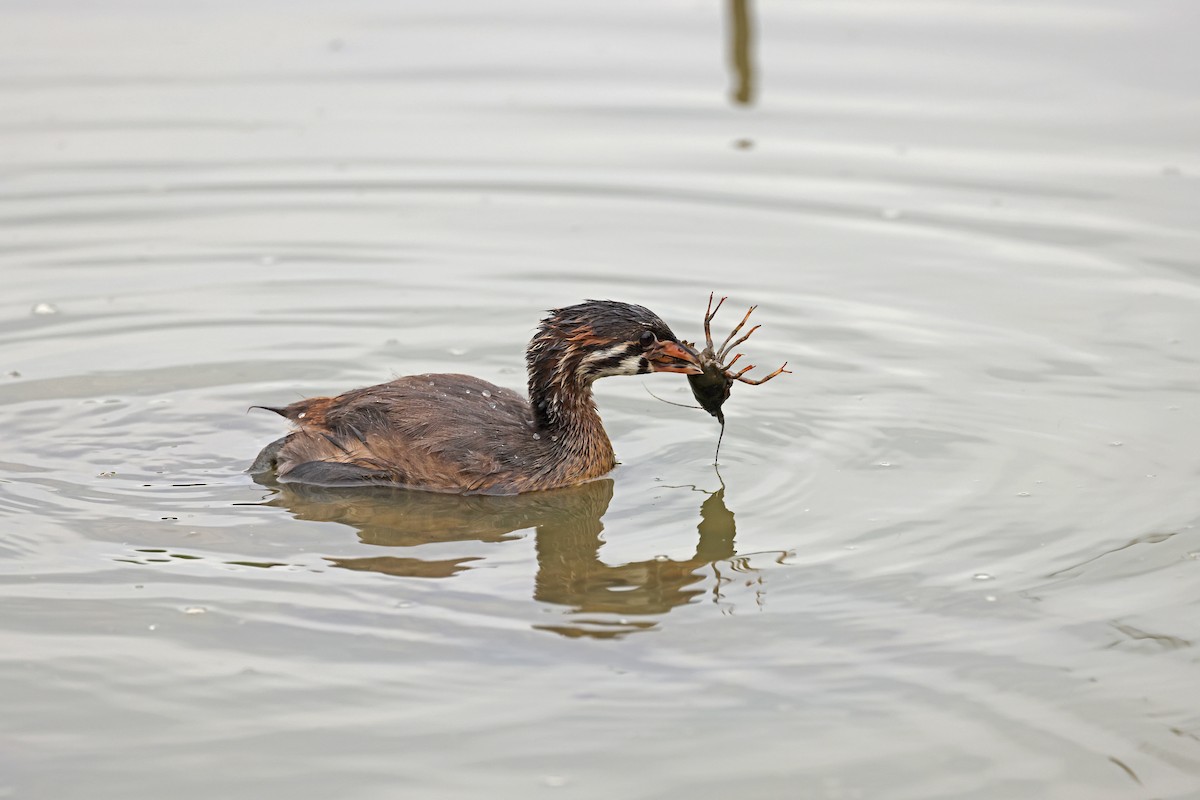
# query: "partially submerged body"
456,433
395,434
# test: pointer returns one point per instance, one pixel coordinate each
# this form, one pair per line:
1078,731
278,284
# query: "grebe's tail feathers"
333,473
280,410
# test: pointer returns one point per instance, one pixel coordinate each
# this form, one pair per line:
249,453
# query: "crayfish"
711,388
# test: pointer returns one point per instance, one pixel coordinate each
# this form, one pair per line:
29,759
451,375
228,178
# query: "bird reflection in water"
567,524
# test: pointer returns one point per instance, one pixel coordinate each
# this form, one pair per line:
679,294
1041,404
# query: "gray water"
955,554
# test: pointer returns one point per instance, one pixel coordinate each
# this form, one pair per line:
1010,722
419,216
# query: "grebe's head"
599,338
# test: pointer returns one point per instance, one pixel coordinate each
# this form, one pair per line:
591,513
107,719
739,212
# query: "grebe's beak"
667,356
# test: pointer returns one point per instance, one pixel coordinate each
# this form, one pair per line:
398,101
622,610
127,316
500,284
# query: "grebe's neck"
564,410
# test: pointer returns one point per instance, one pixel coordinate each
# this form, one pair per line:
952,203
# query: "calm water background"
956,554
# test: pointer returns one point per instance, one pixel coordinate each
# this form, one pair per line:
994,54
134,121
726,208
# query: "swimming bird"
458,433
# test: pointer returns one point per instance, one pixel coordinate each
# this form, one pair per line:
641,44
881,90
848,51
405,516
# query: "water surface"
953,555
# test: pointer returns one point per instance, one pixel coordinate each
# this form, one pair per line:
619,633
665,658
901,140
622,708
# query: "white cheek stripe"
601,355
630,365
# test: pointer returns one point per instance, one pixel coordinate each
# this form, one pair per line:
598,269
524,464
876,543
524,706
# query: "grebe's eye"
647,338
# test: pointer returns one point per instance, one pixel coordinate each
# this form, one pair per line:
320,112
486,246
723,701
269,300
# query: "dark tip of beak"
678,357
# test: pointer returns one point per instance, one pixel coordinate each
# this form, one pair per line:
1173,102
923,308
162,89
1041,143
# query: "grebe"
457,433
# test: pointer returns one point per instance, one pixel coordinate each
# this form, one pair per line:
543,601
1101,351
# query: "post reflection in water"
567,523
741,51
